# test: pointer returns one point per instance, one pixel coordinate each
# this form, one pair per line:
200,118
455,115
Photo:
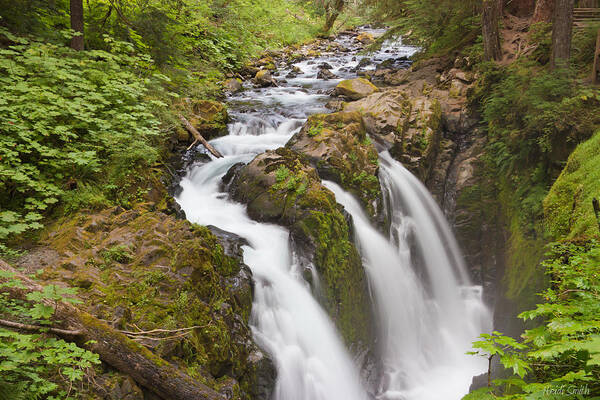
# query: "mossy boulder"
338,147
263,78
281,186
232,85
142,269
365,38
208,116
568,209
355,89
409,125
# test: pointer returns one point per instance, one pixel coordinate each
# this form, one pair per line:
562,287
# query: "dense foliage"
561,356
37,365
71,122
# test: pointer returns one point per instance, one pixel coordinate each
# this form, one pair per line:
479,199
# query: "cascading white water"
425,330
428,317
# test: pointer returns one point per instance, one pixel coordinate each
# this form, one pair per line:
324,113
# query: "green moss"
568,210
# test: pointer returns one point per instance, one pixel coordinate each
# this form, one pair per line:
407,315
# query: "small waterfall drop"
426,325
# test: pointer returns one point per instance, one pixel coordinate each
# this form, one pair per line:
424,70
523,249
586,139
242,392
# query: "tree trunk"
332,14
491,34
77,24
117,350
562,30
588,3
544,9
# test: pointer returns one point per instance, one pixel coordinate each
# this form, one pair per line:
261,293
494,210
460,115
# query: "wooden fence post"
596,70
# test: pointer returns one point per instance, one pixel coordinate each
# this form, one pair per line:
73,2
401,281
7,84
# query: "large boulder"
280,186
338,147
355,89
209,117
143,269
365,38
408,124
263,78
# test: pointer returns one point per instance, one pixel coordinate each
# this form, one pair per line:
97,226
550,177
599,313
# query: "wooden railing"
583,17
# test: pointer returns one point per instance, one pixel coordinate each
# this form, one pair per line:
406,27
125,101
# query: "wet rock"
355,89
263,78
365,38
233,85
208,116
280,186
325,66
337,146
148,269
264,375
335,105
326,74
364,62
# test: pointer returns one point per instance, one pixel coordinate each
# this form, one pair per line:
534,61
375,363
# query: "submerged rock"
355,89
326,74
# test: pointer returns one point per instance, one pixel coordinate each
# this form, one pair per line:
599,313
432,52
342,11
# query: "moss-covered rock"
338,147
143,270
210,118
281,187
365,38
355,89
263,78
568,210
233,85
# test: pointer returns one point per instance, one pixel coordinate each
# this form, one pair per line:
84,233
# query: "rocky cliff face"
425,123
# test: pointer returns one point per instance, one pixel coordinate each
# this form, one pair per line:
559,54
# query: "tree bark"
77,24
491,34
544,9
332,14
115,349
198,137
588,3
562,31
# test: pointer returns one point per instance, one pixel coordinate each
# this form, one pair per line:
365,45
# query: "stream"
428,311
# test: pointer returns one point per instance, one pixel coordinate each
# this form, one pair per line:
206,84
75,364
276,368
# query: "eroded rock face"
338,147
144,269
355,89
281,186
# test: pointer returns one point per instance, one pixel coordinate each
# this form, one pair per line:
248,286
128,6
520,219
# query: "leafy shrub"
565,348
38,365
70,120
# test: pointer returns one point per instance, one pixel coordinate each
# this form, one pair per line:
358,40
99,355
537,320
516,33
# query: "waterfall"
286,321
427,319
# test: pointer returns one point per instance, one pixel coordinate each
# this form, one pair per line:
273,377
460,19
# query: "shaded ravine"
287,321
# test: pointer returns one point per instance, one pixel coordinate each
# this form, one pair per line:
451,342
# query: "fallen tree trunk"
117,350
199,137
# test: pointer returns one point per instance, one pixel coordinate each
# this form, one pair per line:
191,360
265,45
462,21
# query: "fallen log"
117,350
198,137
